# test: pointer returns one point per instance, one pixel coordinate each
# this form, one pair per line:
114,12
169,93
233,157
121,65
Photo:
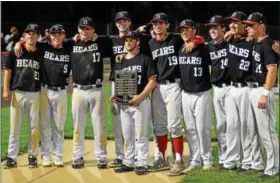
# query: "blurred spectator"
11,39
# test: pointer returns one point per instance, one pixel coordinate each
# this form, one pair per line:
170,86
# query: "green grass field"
194,176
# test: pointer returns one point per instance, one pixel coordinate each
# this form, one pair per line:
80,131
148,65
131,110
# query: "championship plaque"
125,86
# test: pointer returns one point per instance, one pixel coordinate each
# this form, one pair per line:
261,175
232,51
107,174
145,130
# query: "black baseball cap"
122,15
216,20
86,22
57,28
255,18
186,23
131,34
237,16
32,28
160,17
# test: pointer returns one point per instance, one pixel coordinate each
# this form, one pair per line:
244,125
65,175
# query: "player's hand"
113,99
249,38
119,58
136,100
263,102
228,35
18,49
141,28
188,47
276,47
7,95
94,37
77,37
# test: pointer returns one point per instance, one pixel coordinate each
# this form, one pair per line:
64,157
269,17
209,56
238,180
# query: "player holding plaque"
135,116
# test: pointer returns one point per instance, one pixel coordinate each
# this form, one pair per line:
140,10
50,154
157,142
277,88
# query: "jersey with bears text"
263,56
25,70
165,56
194,66
143,65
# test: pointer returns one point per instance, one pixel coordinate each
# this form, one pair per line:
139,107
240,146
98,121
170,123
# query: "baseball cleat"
228,169
208,167
78,163
32,161
102,164
116,163
123,168
177,168
159,165
190,168
58,162
265,176
10,163
46,161
141,170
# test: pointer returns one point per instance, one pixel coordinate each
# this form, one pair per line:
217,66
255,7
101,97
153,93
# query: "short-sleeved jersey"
119,48
25,70
194,66
87,60
263,56
165,56
219,61
239,60
56,64
143,65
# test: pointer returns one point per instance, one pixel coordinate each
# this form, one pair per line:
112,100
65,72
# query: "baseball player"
196,98
263,98
53,97
135,118
166,98
218,54
22,77
87,72
236,101
123,23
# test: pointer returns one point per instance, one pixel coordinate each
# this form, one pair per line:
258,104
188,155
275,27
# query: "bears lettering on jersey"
82,49
119,50
190,60
219,54
239,51
54,57
137,68
163,51
28,63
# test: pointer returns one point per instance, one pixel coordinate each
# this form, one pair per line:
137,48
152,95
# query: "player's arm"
146,92
7,76
271,61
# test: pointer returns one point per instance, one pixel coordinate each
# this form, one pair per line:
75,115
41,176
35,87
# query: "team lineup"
176,72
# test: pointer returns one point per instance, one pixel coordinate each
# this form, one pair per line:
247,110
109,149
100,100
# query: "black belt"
239,85
221,85
86,87
54,88
256,85
167,81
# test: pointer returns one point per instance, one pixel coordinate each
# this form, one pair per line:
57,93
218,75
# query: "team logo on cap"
234,14
157,16
85,22
213,19
121,14
250,17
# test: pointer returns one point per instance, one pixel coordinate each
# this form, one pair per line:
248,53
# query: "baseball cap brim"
124,18
212,24
31,30
183,26
232,19
87,26
249,22
153,21
61,32
133,37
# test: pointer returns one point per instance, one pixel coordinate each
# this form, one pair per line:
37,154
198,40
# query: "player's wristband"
266,92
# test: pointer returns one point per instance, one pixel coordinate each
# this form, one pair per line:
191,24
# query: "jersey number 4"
36,75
